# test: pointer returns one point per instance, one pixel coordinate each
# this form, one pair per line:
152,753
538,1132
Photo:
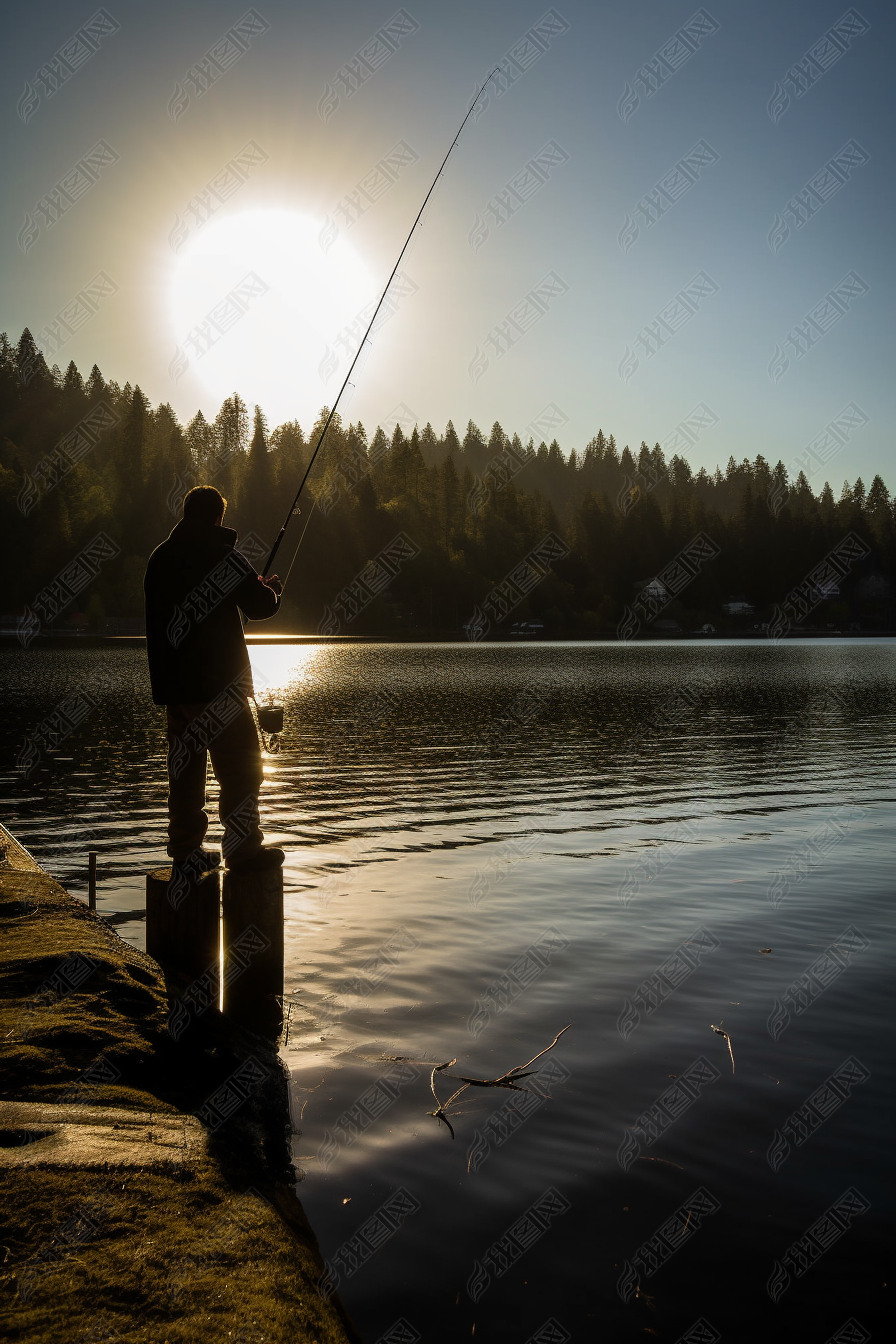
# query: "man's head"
204,504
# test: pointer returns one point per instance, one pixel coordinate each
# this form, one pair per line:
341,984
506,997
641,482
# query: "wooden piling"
182,920
253,949
91,879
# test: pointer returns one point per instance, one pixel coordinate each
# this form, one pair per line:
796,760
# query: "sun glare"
279,668
257,305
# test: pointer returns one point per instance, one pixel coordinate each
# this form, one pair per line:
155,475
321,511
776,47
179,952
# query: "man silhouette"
196,587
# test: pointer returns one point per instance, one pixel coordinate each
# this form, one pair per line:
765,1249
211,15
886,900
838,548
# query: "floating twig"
720,1032
510,1079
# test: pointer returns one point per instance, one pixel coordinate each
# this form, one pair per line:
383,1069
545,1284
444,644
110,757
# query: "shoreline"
148,1190
88,641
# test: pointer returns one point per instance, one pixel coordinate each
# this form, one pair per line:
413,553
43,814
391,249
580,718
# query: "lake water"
489,842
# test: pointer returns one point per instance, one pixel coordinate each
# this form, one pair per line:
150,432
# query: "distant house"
522,628
738,607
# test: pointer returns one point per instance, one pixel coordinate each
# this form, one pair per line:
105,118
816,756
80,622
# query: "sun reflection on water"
278,668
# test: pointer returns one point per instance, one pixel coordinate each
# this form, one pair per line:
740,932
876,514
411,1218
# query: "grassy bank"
111,1230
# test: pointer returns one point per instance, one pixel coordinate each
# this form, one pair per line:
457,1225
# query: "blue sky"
617,234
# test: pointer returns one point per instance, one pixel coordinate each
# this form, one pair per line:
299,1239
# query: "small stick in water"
720,1032
509,1079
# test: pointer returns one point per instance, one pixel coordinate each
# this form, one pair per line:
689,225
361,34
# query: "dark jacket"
196,585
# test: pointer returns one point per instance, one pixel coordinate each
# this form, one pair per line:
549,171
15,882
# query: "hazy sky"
658,208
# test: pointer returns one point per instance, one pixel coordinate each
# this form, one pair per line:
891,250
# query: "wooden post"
182,920
91,879
253,949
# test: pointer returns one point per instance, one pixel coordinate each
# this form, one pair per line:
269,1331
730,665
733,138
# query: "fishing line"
294,506
295,553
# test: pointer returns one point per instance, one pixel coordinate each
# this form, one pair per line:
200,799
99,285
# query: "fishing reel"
270,725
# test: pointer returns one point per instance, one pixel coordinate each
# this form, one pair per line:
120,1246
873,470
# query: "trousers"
225,731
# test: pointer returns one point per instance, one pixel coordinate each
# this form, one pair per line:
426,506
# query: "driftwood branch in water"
510,1079
720,1032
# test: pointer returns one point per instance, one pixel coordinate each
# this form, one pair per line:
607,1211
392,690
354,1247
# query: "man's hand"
274,584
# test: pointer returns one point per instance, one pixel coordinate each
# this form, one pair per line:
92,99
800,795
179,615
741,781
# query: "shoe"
196,864
187,873
262,861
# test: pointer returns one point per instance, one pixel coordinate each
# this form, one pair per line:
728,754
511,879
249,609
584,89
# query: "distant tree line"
80,457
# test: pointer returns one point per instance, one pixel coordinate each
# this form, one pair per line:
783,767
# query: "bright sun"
257,306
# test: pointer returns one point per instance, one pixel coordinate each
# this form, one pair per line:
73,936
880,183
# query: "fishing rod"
293,507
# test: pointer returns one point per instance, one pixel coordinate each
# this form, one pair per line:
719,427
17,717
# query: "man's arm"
258,598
